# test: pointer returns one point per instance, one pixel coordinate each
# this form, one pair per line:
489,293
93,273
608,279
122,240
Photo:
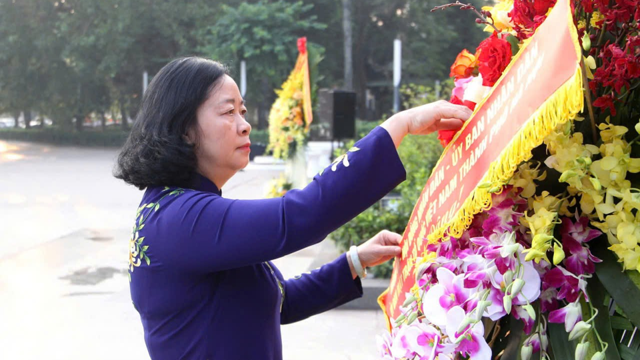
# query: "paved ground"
64,226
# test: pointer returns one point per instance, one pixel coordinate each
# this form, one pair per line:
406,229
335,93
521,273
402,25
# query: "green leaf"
157,207
515,44
140,240
150,205
618,283
602,322
144,248
146,259
559,341
628,353
620,323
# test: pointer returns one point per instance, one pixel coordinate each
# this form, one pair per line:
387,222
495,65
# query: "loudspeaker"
336,115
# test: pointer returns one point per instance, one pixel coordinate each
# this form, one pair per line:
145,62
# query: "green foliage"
619,284
265,35
417,94
58,136
259,137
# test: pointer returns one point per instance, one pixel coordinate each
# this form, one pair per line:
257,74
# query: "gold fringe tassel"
564,105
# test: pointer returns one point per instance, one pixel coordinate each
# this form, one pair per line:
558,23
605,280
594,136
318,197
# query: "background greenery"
68,60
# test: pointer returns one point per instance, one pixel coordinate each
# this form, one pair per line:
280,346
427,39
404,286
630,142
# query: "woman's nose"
245,127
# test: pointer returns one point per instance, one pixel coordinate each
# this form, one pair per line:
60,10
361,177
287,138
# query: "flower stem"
587,93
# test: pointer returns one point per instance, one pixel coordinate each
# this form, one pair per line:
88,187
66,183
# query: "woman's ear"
190,137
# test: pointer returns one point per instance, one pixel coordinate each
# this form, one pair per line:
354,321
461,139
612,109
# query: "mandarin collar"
204,184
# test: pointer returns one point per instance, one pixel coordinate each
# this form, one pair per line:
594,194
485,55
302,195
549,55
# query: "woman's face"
223,141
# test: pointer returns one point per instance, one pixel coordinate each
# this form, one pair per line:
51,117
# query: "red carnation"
494,54
527,15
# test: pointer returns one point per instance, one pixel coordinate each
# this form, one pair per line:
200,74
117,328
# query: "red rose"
494,54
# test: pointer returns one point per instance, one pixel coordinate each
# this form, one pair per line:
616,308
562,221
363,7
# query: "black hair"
157,152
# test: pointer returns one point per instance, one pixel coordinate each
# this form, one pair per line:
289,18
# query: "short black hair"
156,152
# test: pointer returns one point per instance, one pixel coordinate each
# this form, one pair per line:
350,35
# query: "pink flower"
549,299
447,293
384,346
569,315
571,286
424,340
400,344
574,235
581,260
472,342
460,87
520,313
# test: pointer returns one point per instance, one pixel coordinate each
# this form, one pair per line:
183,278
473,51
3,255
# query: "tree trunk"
348,44
27,119
123,114
17,117
103,121
79,122
263,107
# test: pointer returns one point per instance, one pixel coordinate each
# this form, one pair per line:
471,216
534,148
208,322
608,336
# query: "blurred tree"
431,42
69,58
27,55
264,34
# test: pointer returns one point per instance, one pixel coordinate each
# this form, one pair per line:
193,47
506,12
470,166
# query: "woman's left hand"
381,248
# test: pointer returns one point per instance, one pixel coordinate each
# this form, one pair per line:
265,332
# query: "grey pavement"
64,226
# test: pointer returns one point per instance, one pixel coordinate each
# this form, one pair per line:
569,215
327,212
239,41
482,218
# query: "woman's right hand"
425,119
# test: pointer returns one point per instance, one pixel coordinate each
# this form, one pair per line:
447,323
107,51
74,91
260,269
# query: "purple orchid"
447,293
569,315
383,344
470,341
400,345
571,286
424,340
548,298
574,235
520,313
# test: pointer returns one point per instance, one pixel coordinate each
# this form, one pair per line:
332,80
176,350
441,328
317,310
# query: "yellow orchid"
525,179
596,18
582,24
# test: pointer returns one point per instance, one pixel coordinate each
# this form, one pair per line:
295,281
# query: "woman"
200,271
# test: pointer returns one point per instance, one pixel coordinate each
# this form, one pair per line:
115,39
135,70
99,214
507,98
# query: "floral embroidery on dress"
344,159
137,250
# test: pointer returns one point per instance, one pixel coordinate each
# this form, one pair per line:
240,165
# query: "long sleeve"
204,232
320,290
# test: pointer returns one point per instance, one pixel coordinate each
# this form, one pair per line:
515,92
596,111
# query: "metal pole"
243,77
145,82
397,73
